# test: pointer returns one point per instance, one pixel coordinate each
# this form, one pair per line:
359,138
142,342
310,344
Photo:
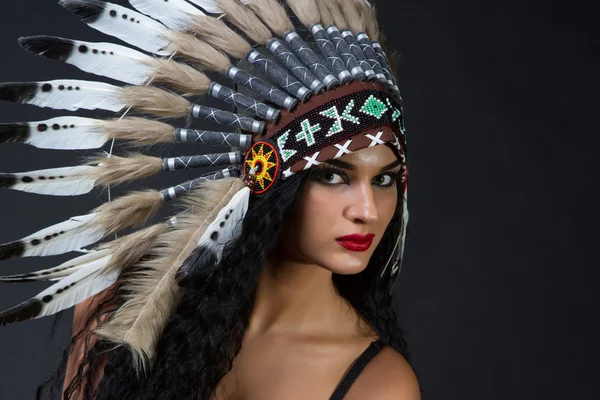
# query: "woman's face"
353,195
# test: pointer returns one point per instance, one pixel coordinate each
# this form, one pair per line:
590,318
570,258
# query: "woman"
290,269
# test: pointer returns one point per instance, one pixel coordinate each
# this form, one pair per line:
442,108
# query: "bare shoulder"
387,377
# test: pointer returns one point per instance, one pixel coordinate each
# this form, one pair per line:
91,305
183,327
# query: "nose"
363,208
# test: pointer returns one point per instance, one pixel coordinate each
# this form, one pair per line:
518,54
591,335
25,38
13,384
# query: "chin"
348,264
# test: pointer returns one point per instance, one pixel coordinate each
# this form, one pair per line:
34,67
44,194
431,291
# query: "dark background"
497,292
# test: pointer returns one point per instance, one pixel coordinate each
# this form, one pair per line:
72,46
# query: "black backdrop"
496,295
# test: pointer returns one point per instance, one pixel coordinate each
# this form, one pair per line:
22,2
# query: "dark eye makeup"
326,174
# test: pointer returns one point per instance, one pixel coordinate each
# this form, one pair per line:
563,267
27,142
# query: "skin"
303,336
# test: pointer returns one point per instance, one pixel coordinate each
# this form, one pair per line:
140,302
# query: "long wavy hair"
205,333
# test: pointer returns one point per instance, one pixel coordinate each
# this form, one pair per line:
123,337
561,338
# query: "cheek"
317,212
387,205
311,226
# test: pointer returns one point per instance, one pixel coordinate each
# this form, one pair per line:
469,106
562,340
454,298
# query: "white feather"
239,206
80,133
104,59
90,95
118,62
62,270
81,285
89,282
210,6
175,14
231,216
76,234
65,181
144,32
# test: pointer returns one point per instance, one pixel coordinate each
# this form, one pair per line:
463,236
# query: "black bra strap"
357,367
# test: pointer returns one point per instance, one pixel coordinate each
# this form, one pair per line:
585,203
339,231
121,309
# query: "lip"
356,242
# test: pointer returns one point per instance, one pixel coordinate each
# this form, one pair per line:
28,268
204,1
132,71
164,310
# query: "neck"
298,298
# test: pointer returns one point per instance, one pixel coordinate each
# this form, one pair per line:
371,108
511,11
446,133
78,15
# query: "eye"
388,179
384,180
330,176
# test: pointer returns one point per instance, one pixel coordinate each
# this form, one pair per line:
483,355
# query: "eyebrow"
352,167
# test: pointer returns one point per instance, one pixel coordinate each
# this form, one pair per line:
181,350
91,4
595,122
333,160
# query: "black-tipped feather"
24,278
7,181
75,233
24,311
12,250
88,10
14,132
66,293
61,271
202,257
64,94
21,92
49,47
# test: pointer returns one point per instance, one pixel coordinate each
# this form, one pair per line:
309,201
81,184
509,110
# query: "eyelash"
319,173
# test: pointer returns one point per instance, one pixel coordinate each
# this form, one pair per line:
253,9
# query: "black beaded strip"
319,128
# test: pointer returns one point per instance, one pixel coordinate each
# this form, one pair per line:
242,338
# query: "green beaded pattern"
308,132
333,113
374,107
285,153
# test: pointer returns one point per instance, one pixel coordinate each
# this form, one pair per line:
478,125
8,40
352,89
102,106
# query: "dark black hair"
205,333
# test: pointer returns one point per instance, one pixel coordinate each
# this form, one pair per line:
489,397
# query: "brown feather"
242,17
339,20
115,170
198,51
152,293
371,24
132,210
180,77
326,17
139,131
392,55
216,33
273,14
128,250
354,15
307,11
154,101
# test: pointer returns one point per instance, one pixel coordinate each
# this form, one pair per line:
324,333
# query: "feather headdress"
307,82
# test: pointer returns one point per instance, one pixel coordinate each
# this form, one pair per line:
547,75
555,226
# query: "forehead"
376,156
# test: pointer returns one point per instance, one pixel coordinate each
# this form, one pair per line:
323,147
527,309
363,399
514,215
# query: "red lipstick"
356,242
